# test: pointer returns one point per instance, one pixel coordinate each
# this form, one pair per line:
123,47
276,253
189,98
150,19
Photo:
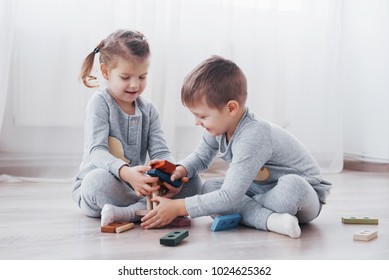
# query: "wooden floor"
40,221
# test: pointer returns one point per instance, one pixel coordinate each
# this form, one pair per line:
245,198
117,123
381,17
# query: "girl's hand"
154,161
166,211
136,177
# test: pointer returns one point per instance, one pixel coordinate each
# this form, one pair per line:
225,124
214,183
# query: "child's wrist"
182,170
180,206
122,170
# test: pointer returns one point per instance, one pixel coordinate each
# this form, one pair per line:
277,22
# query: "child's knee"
195,184
297,188
295,182
95,180
191,188
211,185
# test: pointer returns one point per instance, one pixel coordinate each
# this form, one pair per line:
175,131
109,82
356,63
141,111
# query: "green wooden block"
360,220
173,238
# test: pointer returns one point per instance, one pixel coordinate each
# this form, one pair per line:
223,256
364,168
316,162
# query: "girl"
121,128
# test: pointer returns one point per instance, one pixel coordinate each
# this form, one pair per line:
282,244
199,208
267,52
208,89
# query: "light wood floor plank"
40,221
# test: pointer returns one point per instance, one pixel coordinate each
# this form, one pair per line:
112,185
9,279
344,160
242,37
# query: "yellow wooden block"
360,220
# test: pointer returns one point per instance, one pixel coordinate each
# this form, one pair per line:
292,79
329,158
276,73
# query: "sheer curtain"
6,40
287,48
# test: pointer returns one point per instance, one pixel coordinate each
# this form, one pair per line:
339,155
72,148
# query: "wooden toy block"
117,227
360,220
173,238
180,222
164,177
225,222
124,228
365,235
149,207
149,204
165,166
155,203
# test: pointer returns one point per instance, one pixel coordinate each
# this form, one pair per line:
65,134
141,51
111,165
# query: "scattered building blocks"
117,227
225,222
124,227
360,220
173,238
161,170
164,177
365,235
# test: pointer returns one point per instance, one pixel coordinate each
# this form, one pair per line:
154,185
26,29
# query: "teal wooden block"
225,222
164,177
360,220
173,238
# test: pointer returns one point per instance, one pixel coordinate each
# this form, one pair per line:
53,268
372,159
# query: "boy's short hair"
217,80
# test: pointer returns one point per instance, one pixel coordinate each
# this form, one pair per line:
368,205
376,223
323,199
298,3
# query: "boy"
272,181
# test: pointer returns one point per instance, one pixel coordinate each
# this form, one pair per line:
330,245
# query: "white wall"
363,75
365,79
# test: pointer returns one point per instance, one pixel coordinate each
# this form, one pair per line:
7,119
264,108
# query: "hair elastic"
96,50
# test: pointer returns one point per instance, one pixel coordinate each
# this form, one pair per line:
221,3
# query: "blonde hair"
122,43
216,79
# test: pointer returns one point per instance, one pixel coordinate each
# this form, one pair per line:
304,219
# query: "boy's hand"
166,211
142,183
180,173
177,174
171,191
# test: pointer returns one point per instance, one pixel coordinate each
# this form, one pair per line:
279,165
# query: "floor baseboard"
359,165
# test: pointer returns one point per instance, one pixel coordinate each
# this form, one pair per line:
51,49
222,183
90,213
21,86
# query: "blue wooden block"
164,177
173,238
225,222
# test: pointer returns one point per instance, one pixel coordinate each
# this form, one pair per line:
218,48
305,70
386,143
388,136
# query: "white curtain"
6,43
287,48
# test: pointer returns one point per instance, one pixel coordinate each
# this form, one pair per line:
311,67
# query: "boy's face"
215,121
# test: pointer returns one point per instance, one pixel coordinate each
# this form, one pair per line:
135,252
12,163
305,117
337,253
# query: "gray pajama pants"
292,194
100,187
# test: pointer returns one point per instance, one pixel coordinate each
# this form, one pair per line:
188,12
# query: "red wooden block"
180,222
165,166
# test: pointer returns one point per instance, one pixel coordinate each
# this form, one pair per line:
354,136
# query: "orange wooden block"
117,227
165,166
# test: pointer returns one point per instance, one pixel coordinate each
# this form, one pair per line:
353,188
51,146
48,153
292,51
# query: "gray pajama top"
139,134
256,144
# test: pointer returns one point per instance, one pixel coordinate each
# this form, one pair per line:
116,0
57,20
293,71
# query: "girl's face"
127,80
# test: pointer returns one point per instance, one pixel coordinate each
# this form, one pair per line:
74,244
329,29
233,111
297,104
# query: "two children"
273,181
121,129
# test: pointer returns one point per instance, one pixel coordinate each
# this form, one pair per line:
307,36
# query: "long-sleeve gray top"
256,144
139,134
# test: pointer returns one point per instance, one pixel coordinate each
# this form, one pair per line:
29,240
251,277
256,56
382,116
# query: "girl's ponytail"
87,66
